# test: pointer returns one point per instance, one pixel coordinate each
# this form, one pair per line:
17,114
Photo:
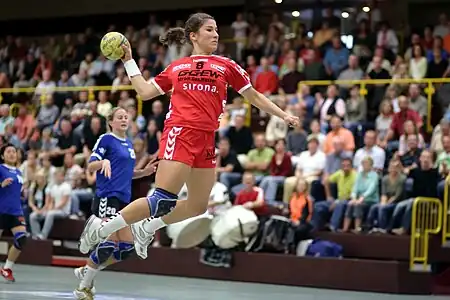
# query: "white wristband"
132,68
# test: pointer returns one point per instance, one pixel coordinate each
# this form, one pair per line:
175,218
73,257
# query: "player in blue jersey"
11,212
113,159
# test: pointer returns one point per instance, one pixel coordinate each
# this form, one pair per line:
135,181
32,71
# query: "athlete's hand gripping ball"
111,45
127,55
292,121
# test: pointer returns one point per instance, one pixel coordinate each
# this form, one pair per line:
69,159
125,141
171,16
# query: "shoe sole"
87,225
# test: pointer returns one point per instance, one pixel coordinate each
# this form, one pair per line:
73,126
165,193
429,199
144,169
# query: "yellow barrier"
429,90
426,220
90,89
446,211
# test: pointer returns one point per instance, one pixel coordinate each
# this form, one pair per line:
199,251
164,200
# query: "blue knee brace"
102,252
123,250
161,202
20,239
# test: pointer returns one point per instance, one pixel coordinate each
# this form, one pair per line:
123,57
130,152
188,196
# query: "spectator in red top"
251,67
280,167
251,197
267,81
399,119
44,64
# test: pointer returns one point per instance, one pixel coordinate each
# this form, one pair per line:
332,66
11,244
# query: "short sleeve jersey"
199,89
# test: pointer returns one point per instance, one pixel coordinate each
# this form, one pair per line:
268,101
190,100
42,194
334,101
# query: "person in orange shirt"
24,125
344,135
301,210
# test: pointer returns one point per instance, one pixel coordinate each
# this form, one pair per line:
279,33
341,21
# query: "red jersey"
199,89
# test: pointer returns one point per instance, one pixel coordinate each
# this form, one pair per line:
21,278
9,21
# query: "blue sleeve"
100,148
2,175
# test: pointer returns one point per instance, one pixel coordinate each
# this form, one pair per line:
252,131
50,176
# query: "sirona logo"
200,87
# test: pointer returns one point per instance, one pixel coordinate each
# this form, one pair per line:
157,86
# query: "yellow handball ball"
111,45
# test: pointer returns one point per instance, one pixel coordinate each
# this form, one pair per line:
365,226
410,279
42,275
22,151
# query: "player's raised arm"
146,90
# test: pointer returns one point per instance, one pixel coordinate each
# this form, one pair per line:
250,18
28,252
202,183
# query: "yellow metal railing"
429,90
426,220
445,216
90,89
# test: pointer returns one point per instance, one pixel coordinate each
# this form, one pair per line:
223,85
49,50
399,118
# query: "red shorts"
193,147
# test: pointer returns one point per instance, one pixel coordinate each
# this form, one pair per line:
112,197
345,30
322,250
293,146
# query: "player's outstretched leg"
20,239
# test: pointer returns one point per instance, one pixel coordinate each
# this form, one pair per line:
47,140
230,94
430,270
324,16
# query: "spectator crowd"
361,157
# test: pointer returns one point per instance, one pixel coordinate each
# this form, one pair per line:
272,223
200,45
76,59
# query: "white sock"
154,225
112,225
89,274
8,265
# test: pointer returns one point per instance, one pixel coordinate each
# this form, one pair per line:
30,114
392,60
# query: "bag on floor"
276,235
319,248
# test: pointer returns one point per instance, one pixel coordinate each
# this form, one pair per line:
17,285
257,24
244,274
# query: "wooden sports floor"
42,283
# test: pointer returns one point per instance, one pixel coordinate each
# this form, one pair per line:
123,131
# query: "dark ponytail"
175,36
180,36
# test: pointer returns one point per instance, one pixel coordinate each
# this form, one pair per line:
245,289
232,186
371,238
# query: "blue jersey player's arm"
98,153
148,170
4,179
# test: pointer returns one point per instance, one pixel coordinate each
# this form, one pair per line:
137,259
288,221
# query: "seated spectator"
251,196
384,120
37,193
398,122
228,166
408,130
29,167
289,81
342,133
364,195
353,72
47,142
336,58
310,166
258,161
331,106
371,150
301,209
356,111
280,167
5,118
392,192
83,191
47,113
237,108
296,140
104,107
276,128
66,144
425,181
418,64
436,139
411,158
57,206
71,169
345,180
316,133
240,136
417,102
266,81
334,159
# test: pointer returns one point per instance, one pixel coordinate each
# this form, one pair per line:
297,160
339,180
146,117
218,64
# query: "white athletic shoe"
79,274
83,294
90,236
142,238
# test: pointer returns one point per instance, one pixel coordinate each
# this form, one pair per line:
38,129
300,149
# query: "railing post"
429,90
445,231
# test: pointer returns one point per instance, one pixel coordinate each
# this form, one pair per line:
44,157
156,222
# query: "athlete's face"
10,156
207,37
120,121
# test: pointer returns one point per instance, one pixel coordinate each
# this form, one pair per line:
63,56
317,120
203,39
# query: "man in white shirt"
240,34
372,150
310,166
57,206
